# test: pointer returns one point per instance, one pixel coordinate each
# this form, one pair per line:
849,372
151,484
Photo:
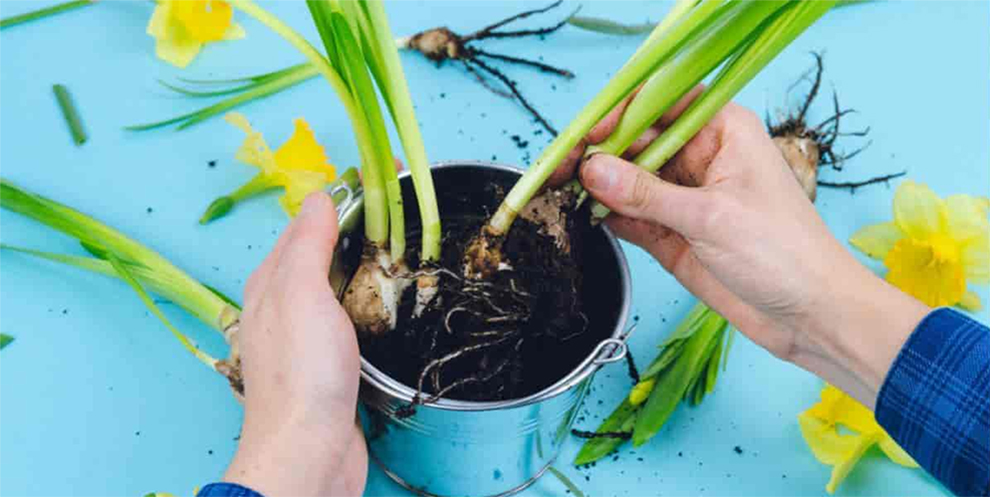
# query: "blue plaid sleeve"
226,490
935,401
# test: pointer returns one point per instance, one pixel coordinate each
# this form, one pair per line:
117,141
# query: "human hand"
301,366
728,219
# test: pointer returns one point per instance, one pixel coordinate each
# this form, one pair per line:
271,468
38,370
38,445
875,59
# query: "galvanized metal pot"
485,449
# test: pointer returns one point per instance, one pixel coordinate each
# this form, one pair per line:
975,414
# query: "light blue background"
98,399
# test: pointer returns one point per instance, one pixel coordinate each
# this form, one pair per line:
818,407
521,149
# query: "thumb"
309,250
636,193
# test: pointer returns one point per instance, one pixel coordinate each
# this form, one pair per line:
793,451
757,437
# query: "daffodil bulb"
372,297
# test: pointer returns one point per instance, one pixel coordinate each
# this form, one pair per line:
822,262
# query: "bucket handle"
617,349
343,206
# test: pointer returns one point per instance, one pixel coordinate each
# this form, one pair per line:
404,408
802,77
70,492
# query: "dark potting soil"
516,333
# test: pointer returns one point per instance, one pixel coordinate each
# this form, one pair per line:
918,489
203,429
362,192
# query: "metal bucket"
460,448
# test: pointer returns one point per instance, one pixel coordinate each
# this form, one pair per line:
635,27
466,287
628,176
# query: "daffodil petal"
914,269
159,19
824,440
298,184
971,301
975,257
204,20
177,50
917,210
301,152
966,218
876,240
841,470
254,150
895,452
234,32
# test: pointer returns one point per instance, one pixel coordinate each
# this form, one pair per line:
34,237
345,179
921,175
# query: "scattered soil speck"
211,163
150,210
737,449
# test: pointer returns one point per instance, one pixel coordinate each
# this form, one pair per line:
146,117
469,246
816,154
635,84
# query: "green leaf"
676,381
258,78
622,419
566,481
5,340
125,274
223,296
42,13
609,27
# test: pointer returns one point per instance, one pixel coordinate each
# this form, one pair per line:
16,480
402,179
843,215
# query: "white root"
427,290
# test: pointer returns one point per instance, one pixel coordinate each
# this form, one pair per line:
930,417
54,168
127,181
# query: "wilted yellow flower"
182,27
300,165
933,248
820,427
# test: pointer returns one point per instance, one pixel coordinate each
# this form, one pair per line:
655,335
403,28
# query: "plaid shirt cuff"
935,401
226,490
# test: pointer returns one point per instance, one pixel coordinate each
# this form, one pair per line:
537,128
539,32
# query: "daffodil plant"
360,52
839,431
934,248
182,27
694,40
114,254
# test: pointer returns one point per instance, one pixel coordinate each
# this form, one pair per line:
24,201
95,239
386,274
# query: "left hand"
301,366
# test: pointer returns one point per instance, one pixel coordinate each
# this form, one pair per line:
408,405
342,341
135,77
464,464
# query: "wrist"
294,458
857,328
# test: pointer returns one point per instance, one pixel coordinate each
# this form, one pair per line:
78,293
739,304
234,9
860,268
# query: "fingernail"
599,174
313,204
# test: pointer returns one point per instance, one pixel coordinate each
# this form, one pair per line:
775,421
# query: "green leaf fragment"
70,113
566,481
609,27
42,13
5,340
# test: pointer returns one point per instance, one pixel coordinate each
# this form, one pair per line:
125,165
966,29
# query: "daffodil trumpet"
694,40
181,28
114,254
360,52
934,248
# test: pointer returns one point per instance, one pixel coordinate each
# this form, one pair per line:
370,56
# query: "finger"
642,142
628,190
677,109
565,171
608,123
259,279
305,260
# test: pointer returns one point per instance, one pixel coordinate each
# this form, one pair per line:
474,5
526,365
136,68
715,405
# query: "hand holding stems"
727,218
300,362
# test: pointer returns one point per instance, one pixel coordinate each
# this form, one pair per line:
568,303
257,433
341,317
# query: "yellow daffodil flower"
820,427
300,166
182,27
934,247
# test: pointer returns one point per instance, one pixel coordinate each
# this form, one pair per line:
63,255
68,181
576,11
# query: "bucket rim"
600,355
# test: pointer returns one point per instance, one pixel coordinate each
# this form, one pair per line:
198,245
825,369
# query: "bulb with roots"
372,297
548,211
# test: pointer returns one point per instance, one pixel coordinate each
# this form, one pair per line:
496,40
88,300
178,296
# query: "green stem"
770,41
396,91
199,299
672,81
41,13
70,113
623,83
222,205
376,219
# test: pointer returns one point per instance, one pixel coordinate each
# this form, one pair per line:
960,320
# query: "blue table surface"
98,399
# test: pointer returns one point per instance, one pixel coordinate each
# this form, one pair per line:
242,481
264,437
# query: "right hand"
728,219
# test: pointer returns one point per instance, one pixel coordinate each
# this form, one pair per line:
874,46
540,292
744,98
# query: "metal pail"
485,449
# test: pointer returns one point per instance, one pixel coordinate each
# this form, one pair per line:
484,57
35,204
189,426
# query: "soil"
516,333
